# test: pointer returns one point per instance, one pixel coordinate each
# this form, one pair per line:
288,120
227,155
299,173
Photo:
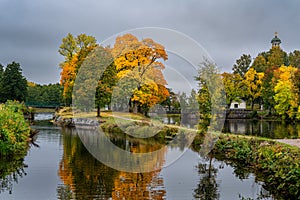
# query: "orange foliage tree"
74,50
141,62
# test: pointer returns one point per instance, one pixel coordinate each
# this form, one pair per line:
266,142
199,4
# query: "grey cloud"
31,30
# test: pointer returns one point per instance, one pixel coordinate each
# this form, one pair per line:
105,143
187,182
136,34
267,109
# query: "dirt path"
293,142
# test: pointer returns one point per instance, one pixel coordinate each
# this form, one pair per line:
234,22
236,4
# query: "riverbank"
274,162
277,164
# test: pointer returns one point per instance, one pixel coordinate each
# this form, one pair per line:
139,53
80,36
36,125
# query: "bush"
277,164
14,130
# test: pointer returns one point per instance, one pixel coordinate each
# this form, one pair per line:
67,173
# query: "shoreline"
275,161
292,142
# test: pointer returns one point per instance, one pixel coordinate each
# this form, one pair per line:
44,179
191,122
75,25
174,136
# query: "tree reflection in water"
84,177
10,172
207,187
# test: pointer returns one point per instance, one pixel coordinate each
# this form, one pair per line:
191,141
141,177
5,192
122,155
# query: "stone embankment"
76,122
238,114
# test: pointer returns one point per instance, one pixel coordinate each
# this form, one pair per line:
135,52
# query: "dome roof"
276,40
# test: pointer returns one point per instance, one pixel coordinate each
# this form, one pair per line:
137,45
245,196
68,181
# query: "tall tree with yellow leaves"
253,83
286,95
74,50
140,62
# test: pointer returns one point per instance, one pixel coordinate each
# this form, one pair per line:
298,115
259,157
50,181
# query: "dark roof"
275,39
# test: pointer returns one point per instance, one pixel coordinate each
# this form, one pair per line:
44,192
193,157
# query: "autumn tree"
260,64
140,62
253,84
242,65
74,50
286,95
296,81
13,84
233,86
277,57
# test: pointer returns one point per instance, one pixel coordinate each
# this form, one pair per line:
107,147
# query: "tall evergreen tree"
14,84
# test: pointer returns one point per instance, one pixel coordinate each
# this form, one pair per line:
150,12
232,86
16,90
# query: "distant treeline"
14,86
44,95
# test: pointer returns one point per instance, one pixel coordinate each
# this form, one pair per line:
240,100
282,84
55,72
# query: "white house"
238,105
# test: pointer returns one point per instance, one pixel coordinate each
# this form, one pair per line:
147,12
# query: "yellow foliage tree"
233,87
253,82
140,61
286,95
74,50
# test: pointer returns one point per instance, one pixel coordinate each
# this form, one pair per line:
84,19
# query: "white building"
238,105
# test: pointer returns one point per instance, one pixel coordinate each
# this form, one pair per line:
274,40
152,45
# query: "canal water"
262,128
62,168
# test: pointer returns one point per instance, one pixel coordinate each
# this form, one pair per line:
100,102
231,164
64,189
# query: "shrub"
14,129
277,164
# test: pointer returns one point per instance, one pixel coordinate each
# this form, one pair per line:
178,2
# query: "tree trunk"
210,164
135,107
98,110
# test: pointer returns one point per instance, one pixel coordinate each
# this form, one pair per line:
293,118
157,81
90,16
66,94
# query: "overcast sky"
31,30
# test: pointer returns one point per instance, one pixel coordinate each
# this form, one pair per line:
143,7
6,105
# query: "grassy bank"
276,164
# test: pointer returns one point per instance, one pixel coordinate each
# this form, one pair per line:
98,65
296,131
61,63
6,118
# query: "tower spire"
275,41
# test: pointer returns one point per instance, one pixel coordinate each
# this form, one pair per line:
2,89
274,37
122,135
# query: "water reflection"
62,168
87,178
10,172
269,129
207,187
263,128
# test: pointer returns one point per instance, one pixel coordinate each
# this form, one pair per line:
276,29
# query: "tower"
275,41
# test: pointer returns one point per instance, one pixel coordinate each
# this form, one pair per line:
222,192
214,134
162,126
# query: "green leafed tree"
44,95
13,84
277,57
294,58
260,64
242,65
1,71
106,83
211,96
267,94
